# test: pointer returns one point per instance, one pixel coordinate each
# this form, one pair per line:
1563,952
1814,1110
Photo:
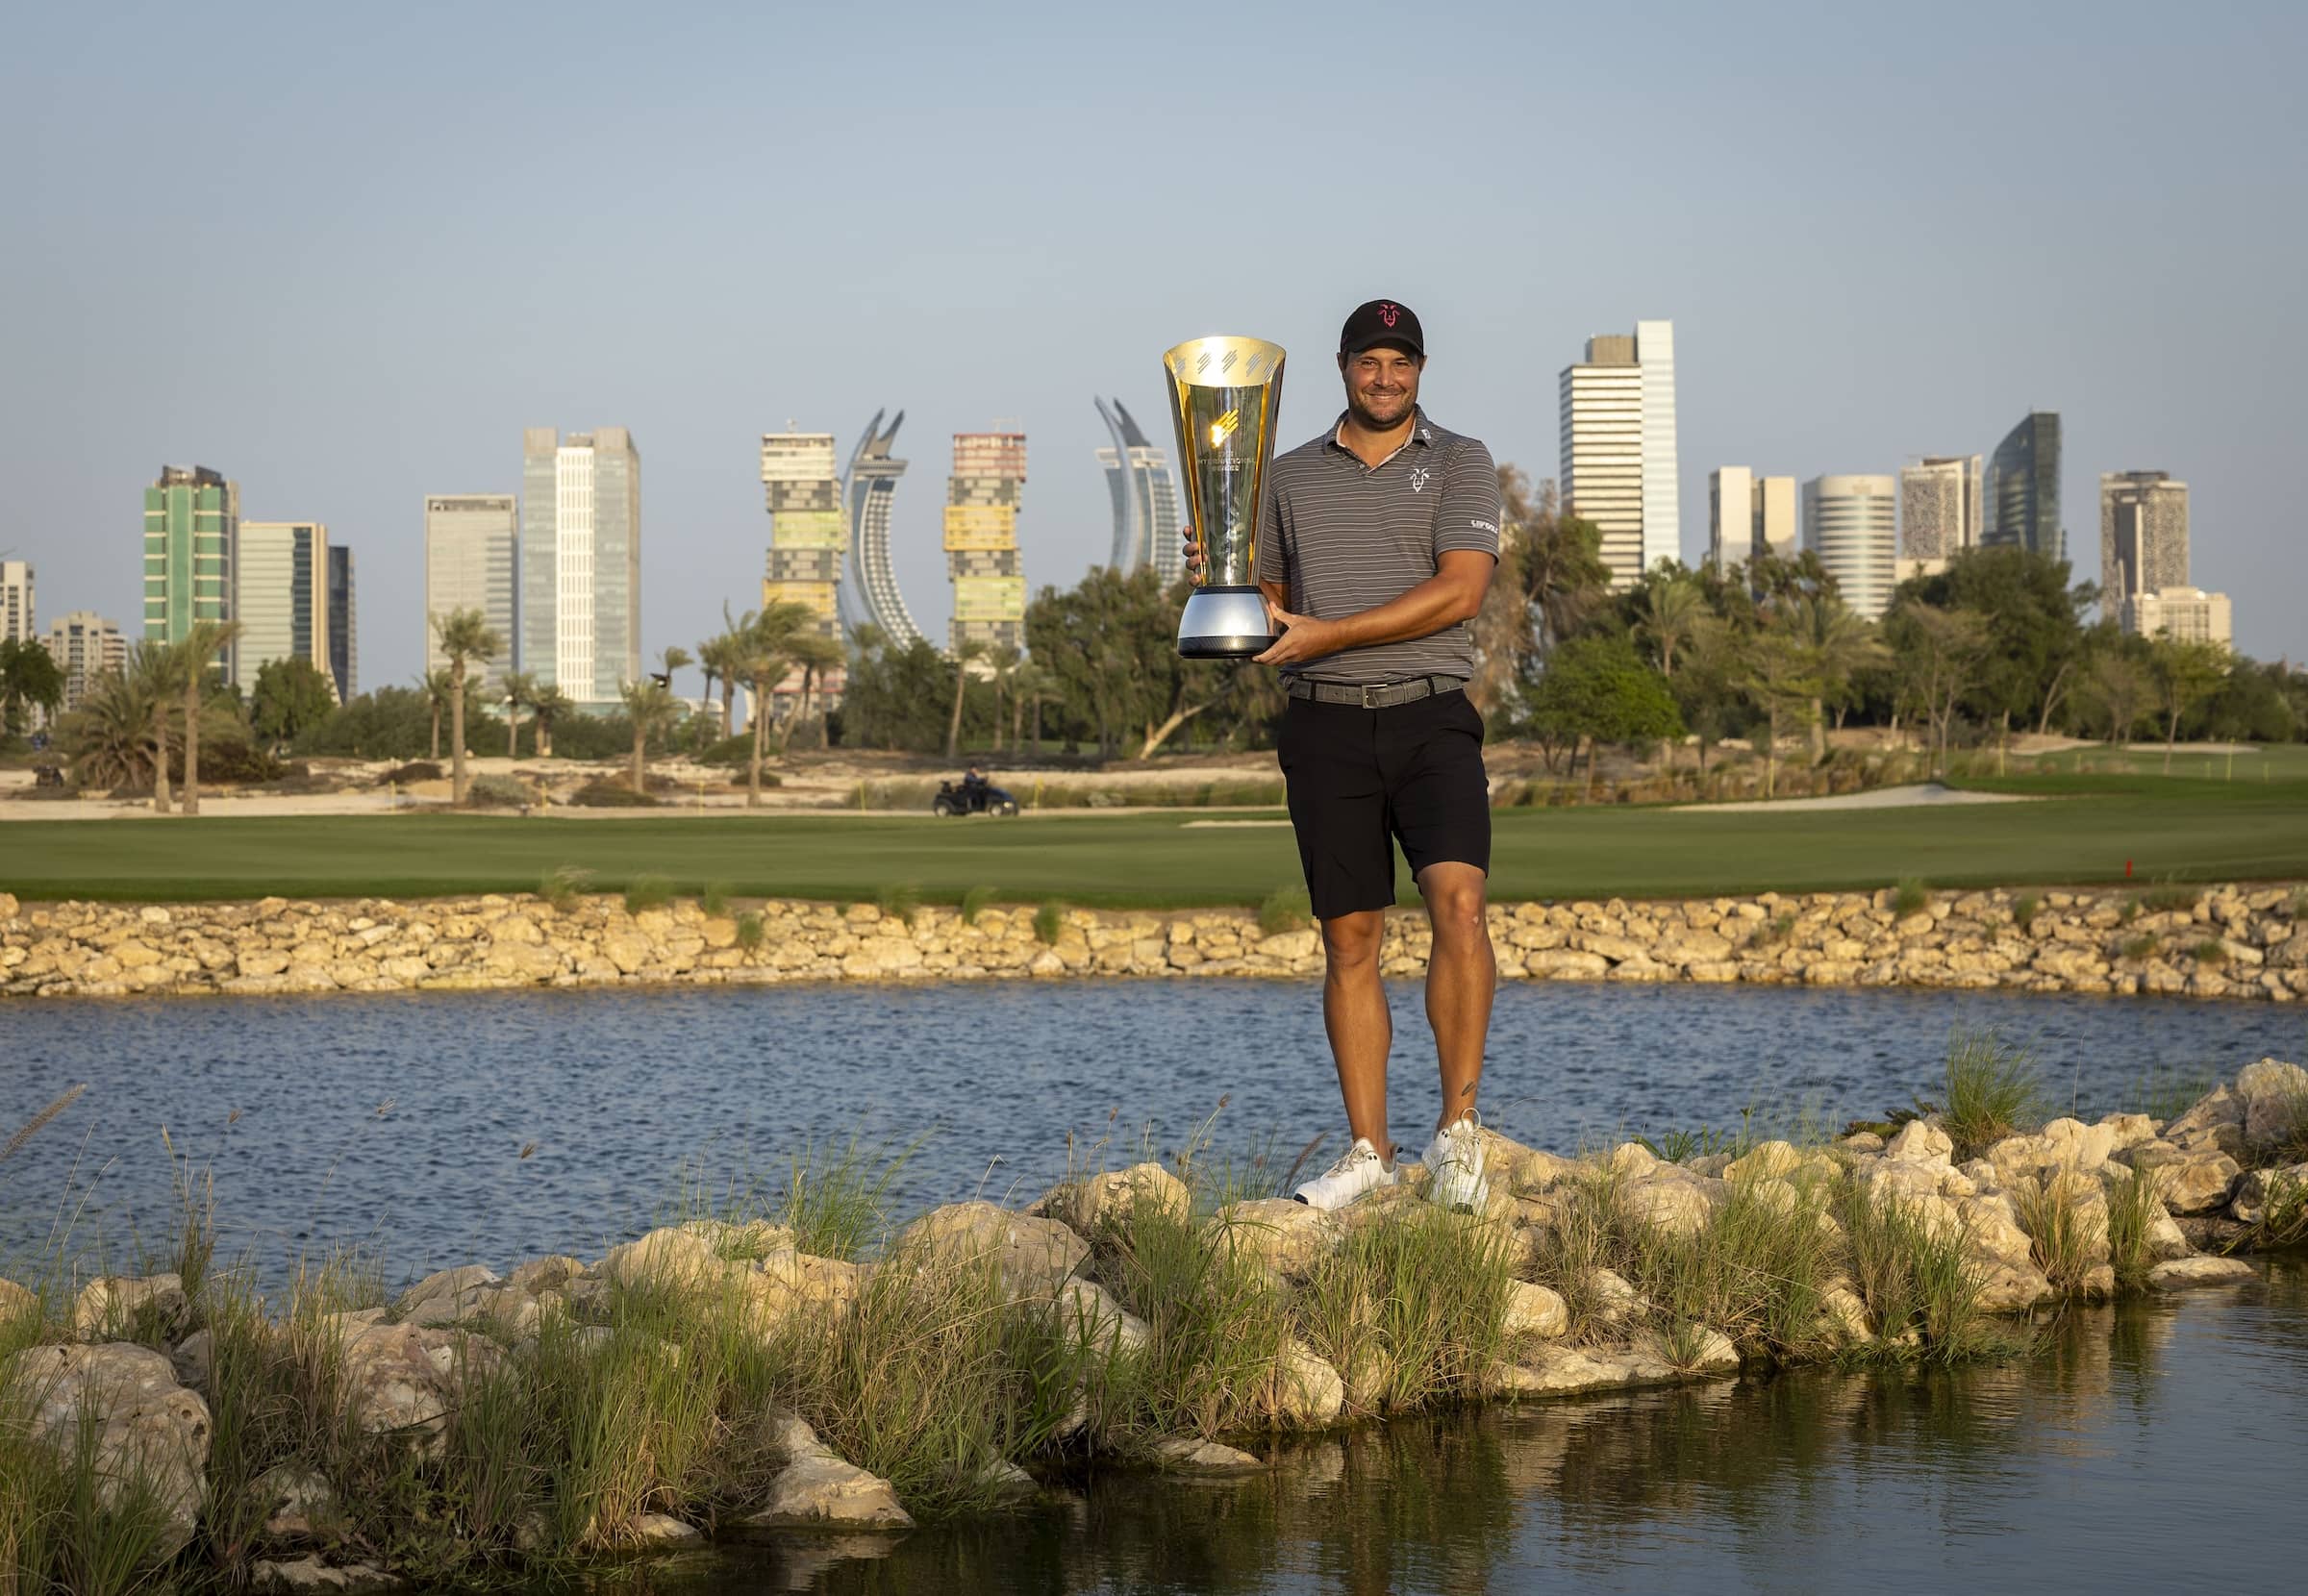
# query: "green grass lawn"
2261,763
2084,831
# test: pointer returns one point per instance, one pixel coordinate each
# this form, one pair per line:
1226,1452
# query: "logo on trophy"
1225,398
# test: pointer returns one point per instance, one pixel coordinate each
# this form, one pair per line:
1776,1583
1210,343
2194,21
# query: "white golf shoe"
1359,1170
1454,1166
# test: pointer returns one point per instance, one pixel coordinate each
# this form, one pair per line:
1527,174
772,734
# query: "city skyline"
703,327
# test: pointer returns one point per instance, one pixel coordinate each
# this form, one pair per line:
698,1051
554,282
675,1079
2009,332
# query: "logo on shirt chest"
1419,475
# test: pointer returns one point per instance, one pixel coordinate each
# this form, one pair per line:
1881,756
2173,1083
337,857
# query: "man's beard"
1364,416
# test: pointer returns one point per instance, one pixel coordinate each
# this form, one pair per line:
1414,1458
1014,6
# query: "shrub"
1284,909
2210,950
974,903
2138,947
749,930
562,885
495,792
1048,921
647,892
1992,1090
401,775
714,899
1912,896
600,794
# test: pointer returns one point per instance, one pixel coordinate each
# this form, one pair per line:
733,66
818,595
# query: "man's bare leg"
1461,974
1354,1015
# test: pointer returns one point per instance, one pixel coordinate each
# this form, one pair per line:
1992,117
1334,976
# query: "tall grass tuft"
1993,1091
562,886
1918,1281
647,892
1411,1310
2063,1231
714,899
2024,908
65,1525
1048,921
1284,909
2133,1207
2283,1213
1219,1326
2168,897
899,902
2138,947
749,930
1912,896
974,903
2209,951
837,1200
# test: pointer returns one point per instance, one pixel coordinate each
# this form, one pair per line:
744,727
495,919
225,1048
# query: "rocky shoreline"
141,1379
2217,941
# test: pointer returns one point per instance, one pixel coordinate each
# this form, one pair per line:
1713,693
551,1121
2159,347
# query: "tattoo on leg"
1470,1092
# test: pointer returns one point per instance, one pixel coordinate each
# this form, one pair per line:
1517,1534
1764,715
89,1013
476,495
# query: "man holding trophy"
1367,550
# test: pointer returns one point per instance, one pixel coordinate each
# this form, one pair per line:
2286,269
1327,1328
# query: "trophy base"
1224,623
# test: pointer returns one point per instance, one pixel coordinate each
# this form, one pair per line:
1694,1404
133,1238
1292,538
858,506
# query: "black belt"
1377,695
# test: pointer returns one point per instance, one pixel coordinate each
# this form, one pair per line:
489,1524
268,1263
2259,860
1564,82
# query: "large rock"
1670,1201
670,1258
1283,1236
1191,1455
1920,1141
146,1427
2275,1102
409,1379
1033,1256
1090,1315
1537,1310
2181,1273
817,1490
445,1297
1113,1196
2214,1123
1307,1389
16,1301
2255,1188
295,1505
300,1574
121,1308
2190,1180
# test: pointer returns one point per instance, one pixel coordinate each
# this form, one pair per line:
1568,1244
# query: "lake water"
2157,1447
401,1120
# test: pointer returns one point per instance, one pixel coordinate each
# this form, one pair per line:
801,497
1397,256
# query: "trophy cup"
1225,396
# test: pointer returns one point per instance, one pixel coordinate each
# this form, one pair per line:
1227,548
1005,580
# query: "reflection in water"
2103,1460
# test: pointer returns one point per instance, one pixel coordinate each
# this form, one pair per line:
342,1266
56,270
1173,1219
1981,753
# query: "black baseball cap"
1382,321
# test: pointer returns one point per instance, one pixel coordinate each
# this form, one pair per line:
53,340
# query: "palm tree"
520,690
1002,666
547,706
435,685
464,637
675,658
1669,611
194,657
815,654
764,640
121,724
964,654
713,658
1837,641
1029,680
652,706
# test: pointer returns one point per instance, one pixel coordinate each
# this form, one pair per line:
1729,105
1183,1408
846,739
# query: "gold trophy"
1225,396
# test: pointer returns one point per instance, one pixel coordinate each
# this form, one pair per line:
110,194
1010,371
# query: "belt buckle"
1366,691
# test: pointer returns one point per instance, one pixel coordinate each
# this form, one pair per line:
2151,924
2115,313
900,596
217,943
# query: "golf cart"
967,797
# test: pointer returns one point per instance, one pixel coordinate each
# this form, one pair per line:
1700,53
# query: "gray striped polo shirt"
1350,536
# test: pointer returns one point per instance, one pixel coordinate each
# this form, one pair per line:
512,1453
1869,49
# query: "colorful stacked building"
980,540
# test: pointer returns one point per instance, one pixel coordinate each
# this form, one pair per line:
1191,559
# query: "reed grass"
647,892
2134,1204
562,886
2211,950
975,902
1048,921
1993,1090
714,899
2024,908
1284,909
901,903
1912,896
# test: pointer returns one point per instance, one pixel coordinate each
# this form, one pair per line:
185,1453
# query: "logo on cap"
1388,311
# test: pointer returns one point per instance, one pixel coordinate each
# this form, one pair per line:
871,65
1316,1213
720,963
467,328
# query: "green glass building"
191,536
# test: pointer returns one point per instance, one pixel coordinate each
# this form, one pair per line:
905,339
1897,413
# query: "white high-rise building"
2184,614
281,597
1851,522
2143,536
17,622
85,645
581,562
1619,465
1747,514
471,544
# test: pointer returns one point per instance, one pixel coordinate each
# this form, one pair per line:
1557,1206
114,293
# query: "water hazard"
403,1120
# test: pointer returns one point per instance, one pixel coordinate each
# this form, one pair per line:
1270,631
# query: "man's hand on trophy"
1192,541
1303,637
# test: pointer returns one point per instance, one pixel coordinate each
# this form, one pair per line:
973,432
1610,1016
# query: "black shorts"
1360,779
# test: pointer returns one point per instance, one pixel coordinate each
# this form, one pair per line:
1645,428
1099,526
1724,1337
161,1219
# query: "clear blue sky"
345,254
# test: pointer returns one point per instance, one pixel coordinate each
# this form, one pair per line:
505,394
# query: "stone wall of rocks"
2228,941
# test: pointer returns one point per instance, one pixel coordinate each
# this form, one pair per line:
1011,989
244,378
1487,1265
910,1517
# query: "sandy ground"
1881,798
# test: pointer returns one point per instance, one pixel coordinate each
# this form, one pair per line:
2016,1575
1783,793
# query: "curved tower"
1145,498
871,486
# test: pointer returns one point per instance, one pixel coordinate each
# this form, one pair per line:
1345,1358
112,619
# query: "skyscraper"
2184,614
581,562
1748,515
2023,487
280,587
1145,498
872,488
18,623
85,645
1619,465
344,636
803,492
471,562
1851,522
1939,505
980,540
2143,535
191,539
